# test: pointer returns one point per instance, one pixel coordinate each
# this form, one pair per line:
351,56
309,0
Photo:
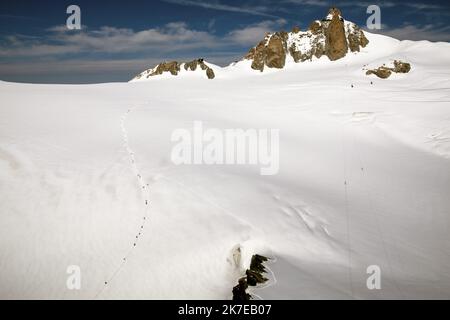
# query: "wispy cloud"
18,17
251,34
411,32
251,10
422,6
365,4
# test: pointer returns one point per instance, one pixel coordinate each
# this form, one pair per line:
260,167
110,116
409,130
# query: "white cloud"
252,34
173,36
411,32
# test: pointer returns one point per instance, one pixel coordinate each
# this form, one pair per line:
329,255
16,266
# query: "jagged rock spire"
332,36
174,68
336,41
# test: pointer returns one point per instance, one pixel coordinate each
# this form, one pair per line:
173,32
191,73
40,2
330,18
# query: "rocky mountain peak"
334,13
332,36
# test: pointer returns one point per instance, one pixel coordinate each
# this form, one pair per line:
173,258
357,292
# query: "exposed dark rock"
336,46
334,12
315,27
258,56
384,72
296,55
401,67
174,68
210,73
283,34
332,37
380,72
191,65
357,39
275,52
239,291
254,276
256,263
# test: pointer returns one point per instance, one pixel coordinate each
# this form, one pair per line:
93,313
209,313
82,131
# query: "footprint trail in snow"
145,196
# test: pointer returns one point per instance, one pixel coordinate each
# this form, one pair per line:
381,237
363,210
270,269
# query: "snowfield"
364,179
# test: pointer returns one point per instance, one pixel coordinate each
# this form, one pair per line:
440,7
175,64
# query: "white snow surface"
364,180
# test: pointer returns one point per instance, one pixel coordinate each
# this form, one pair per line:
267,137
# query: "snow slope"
364,180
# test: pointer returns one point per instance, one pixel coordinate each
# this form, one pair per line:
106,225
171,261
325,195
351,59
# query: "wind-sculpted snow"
363,181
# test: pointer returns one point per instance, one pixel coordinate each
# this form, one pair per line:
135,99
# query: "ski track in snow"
144,187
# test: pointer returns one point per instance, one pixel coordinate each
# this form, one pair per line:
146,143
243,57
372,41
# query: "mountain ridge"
332,37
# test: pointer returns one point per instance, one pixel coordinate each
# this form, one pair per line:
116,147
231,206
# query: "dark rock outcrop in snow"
192,65
333,37
275,56
401,67
174,68
240,291
210,73
254,276
384,72
380,72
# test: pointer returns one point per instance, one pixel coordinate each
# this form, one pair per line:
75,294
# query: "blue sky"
122,38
